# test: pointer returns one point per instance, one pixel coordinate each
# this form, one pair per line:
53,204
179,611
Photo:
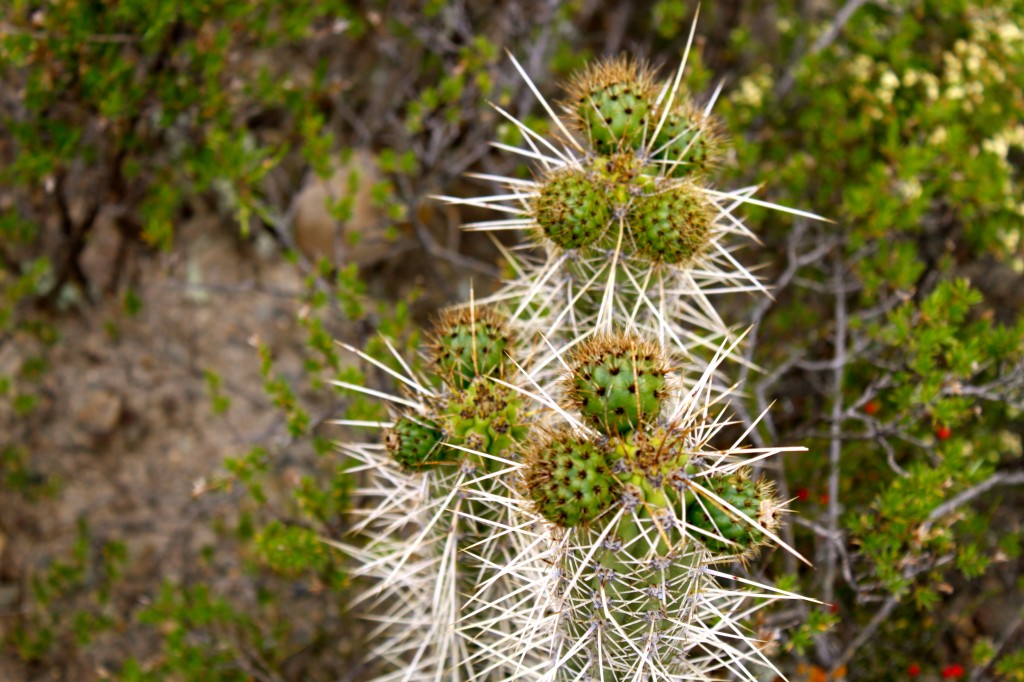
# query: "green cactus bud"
470,342
673,225
757,502
611,103
617,382
572,209
485,417
688,144
570,479
416,443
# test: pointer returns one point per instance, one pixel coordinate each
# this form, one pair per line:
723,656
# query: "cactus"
571,480
484,420
632,562
416,443
571,209
673,226
688,143
437,488
550,525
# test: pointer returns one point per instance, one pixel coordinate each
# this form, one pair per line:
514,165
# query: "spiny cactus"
438,483
484,419
689,142
572,210
416,443
673,226
632,232
567,525
723,521
571,480
630,549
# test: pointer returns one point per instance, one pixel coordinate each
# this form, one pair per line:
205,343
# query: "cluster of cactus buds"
531,524
443,464
642,505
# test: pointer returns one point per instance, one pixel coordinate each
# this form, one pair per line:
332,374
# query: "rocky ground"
125,434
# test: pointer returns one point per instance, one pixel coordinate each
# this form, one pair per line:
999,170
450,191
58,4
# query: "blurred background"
196,199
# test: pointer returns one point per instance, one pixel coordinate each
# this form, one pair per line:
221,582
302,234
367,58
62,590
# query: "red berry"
823,498
913,670
943,432
803,494
872,407
953,672
833,608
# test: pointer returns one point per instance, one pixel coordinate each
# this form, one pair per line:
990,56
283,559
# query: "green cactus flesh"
673,225
470,343
618,383
416,443
570,480
572,210
754,499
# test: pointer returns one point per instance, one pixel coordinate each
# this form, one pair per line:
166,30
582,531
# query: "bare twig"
1008,635
788,79
836,433
839,541
1002,478
825,645
883,613
869,631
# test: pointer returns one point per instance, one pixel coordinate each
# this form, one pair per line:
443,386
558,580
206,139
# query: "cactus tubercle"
469,342
416,443
618,382
570,479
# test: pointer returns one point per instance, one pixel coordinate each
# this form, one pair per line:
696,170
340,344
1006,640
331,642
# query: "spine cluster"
551,500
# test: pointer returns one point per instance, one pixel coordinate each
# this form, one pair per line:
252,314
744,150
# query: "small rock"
361,239
8,596
97,410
